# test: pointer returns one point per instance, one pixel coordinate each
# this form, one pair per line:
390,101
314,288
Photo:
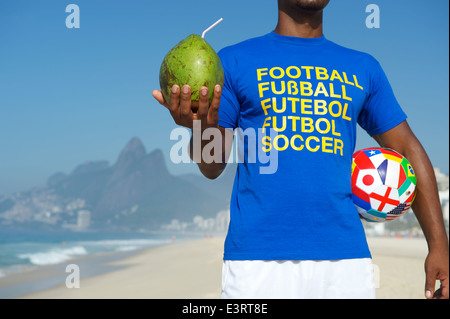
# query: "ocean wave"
54,256
58,255
125,242
127,248
121,245
18,255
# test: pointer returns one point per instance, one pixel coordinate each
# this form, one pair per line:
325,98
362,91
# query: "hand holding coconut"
191,80
181,106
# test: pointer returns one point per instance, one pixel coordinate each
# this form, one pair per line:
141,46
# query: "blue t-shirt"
312,93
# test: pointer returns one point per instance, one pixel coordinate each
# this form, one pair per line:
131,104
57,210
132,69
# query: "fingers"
174,104
444,288
430,281
442,292
180,105
185,106
171,105
159,97
436,268
213,114
203,104
174,98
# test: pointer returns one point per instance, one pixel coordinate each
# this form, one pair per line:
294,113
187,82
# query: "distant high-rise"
441,179
84,219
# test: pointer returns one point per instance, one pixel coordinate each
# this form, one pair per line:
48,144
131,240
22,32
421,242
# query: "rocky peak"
134,151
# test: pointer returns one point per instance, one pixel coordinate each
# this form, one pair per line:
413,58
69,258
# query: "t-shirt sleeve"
229,105
381,111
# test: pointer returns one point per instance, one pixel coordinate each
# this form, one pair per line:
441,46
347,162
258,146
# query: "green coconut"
195,63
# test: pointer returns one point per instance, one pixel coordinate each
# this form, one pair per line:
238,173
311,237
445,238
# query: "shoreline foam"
192,270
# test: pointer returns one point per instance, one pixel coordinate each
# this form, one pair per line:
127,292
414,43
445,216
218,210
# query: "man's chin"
312,5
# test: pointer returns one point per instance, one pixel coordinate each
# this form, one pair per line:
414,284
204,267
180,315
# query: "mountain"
136,191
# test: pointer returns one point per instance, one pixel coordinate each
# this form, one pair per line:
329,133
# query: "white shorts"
298,279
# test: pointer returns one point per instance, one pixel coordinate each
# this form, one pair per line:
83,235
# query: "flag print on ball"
383,184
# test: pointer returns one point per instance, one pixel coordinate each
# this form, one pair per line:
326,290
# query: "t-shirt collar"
297,40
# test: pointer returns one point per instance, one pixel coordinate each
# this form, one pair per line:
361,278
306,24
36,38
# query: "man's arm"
211,165
206,118
426,206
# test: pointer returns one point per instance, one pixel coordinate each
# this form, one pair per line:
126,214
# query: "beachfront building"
83,220
443,186
442,179
217,224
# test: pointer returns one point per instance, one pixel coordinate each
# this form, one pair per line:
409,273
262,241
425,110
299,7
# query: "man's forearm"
426,206
210,170
211,155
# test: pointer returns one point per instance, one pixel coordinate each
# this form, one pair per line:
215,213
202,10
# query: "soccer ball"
383,184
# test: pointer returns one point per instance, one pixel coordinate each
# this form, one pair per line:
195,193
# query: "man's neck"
300,24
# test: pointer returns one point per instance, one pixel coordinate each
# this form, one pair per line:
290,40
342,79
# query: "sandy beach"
192,270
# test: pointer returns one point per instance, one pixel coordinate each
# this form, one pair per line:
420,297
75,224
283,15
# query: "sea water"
24,249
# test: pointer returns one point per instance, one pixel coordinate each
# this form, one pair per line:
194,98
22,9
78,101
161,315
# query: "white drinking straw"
216,23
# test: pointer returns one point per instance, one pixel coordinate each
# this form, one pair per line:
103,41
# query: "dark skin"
304,18
208,115
426,207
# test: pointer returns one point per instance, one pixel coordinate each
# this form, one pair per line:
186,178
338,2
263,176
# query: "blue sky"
71,95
